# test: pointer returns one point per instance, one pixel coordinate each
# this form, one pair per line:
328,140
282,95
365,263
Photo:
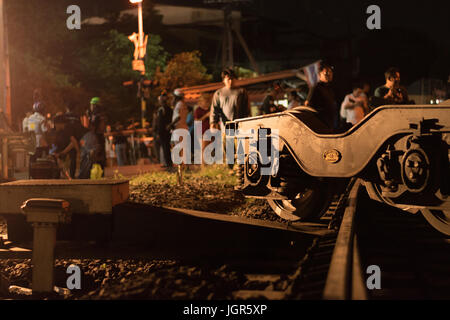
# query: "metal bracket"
424,126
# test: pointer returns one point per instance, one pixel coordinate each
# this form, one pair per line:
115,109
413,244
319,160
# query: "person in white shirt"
355,105
37,123
25,122
180,111
179,118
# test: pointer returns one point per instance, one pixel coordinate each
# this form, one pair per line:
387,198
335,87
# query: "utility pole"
140,43
141,49
230,26
5,87
227,49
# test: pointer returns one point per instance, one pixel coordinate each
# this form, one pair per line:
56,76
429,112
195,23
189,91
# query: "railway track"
325,259
385,253
413,258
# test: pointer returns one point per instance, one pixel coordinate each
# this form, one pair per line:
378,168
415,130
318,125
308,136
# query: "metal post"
2,64
141,26
247,51
7,74
141,47
227,52
143,109
4,142
44,215
5,95
44,240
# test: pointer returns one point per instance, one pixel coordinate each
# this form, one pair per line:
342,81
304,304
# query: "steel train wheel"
306,205
439,219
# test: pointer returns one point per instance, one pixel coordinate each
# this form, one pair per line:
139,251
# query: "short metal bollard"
44,215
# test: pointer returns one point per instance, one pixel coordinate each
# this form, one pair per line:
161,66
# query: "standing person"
229,102
179,117
164,120
201,113
109,147
37,122
268,106
180,111
96,115
190,124
65,144
93,148
25,127
366,89
322,98
392,92
190,120
73,120
120,146
73,123
355,105
95,108
156,142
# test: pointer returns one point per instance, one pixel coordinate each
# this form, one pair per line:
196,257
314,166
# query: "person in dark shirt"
156,142
392,92
73,122
322,98
268,105
65,142
95,109
120,146
93,148
202,114
164,119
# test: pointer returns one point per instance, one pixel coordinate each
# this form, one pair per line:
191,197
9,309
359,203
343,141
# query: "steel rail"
344,279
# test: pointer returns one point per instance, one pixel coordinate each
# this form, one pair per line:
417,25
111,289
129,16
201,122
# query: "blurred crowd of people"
78,143
321,97
357,104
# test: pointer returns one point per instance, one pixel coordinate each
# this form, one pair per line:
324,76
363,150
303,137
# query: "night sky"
413,35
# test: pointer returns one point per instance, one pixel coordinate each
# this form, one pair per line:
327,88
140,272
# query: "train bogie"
400,152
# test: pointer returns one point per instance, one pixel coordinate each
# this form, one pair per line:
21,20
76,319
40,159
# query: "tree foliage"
107,64
183,70
39,43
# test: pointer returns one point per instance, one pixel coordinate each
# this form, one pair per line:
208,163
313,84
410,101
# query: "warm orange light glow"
135,1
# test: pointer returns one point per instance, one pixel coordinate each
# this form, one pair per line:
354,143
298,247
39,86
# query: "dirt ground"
201,194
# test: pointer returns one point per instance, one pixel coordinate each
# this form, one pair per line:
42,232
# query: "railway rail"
414,259
384,253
